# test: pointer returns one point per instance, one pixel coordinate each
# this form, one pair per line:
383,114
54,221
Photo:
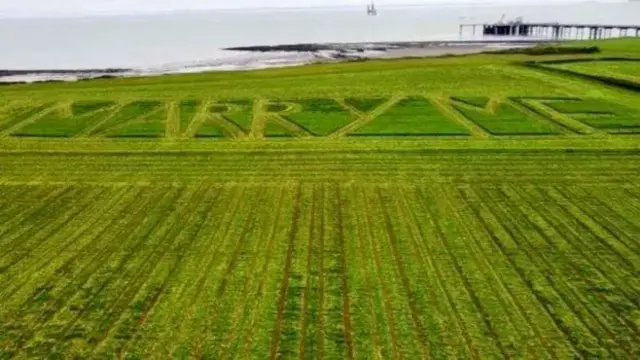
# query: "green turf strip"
152,125
507,121
277,107
143,129
619,69
238,112
411,117
188,110
129,112
598,113
273,129
210,129
80,108
14,115
56,124
589,106
321,116
477,101
365,104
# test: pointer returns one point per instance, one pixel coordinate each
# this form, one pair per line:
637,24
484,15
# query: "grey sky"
34,8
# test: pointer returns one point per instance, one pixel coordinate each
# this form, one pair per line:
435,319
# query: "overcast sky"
35,8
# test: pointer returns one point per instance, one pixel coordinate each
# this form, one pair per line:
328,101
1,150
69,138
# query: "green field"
461,207
619,69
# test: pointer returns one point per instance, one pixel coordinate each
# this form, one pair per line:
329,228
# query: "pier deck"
553,30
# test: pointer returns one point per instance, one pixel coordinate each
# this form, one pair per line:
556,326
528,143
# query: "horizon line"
440,3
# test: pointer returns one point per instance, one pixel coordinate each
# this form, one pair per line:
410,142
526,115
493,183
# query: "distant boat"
371,9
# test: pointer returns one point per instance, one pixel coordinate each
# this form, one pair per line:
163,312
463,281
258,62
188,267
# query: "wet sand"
261,57
339,51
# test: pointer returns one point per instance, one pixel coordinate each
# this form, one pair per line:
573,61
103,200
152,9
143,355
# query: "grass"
239,113
210,129
129,120
198,217
80,108
624,70
365,104
411,117
506,120
540,50
273,129
321,116
477,101
152,124
15,114
599,113
188,110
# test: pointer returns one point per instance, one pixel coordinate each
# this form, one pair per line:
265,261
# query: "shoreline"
285,55
384,45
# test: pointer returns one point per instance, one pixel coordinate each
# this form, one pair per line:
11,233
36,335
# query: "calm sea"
193,41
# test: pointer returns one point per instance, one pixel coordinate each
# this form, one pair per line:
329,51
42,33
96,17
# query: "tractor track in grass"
71,286
494,229
436,288
269,230
304,325
126,329
406,283
59,250
527,340
344,281
379,349
201,283
508,242
251,274
41,232
99,306
491,345
568,292
149,310
284,285
236,276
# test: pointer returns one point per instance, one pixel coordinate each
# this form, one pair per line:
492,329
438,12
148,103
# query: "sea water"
193,41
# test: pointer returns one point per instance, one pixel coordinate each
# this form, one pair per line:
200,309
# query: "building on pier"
554,31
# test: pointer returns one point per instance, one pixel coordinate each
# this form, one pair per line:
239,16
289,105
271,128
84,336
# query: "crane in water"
371,9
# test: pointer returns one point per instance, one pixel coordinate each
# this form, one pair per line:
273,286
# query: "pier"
552,30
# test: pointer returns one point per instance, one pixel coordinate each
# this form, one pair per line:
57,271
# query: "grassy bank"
465,207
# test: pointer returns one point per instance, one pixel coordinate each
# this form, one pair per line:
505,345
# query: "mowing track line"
422,254
284,286
406,284
546,233
494,229
239,341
